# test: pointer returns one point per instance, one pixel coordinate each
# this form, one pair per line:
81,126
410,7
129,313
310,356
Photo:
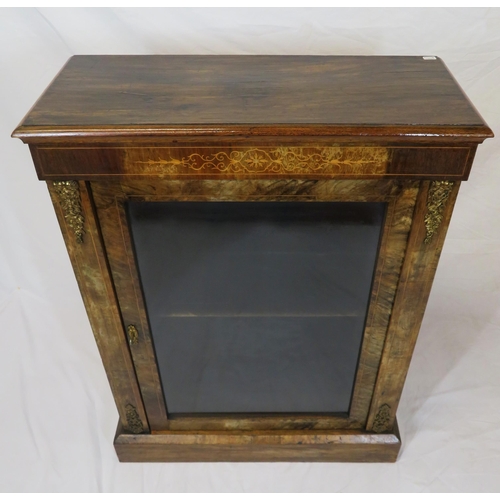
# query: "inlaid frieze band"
280,160
134,423
69,197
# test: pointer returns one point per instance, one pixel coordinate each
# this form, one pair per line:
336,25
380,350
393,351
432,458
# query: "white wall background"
58,415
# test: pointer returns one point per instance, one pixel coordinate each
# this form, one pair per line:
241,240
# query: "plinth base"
258,446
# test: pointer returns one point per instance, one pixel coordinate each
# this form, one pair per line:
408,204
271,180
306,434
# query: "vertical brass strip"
69,197
439,192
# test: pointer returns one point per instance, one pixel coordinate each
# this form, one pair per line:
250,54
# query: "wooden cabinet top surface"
158,95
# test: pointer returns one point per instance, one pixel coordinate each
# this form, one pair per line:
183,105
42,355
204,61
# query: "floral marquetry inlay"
281,160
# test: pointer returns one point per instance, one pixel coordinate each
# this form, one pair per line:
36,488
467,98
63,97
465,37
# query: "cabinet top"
398,97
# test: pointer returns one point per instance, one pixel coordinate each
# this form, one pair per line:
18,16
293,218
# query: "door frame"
110,198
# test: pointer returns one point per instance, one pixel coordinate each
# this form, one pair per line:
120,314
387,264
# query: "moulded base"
258,446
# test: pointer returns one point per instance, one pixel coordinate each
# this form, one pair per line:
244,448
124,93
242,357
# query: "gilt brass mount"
69,197
439,192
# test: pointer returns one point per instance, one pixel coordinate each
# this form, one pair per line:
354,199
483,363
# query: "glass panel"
256,306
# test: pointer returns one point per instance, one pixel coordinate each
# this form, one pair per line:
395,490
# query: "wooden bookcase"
264,141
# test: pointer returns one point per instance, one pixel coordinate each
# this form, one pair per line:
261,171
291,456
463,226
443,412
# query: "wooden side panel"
436,163
259,190
75,213
259,446
430,223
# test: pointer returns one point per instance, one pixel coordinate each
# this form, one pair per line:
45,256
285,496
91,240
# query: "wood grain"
259,446
252,95
91,270
109,201
413,291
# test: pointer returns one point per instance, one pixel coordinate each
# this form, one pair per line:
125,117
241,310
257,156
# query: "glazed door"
255,304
